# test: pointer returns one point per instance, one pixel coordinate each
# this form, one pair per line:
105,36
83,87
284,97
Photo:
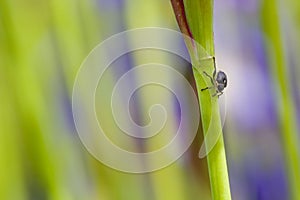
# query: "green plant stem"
216,159
199,17
286,107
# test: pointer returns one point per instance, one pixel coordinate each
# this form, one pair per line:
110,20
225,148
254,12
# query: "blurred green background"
42,45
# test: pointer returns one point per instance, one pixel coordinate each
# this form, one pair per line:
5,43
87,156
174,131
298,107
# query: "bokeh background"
42,45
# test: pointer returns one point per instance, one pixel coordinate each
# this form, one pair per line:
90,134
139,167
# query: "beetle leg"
207,58
207,88
215,68
214,62
211,79
220,94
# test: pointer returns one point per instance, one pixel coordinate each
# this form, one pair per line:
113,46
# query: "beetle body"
219,80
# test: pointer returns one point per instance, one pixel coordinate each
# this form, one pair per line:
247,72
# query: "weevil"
218,80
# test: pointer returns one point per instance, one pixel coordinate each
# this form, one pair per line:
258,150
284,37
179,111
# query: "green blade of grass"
286,107
199,22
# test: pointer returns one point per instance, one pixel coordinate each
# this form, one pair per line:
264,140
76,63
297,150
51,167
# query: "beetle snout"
221,87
